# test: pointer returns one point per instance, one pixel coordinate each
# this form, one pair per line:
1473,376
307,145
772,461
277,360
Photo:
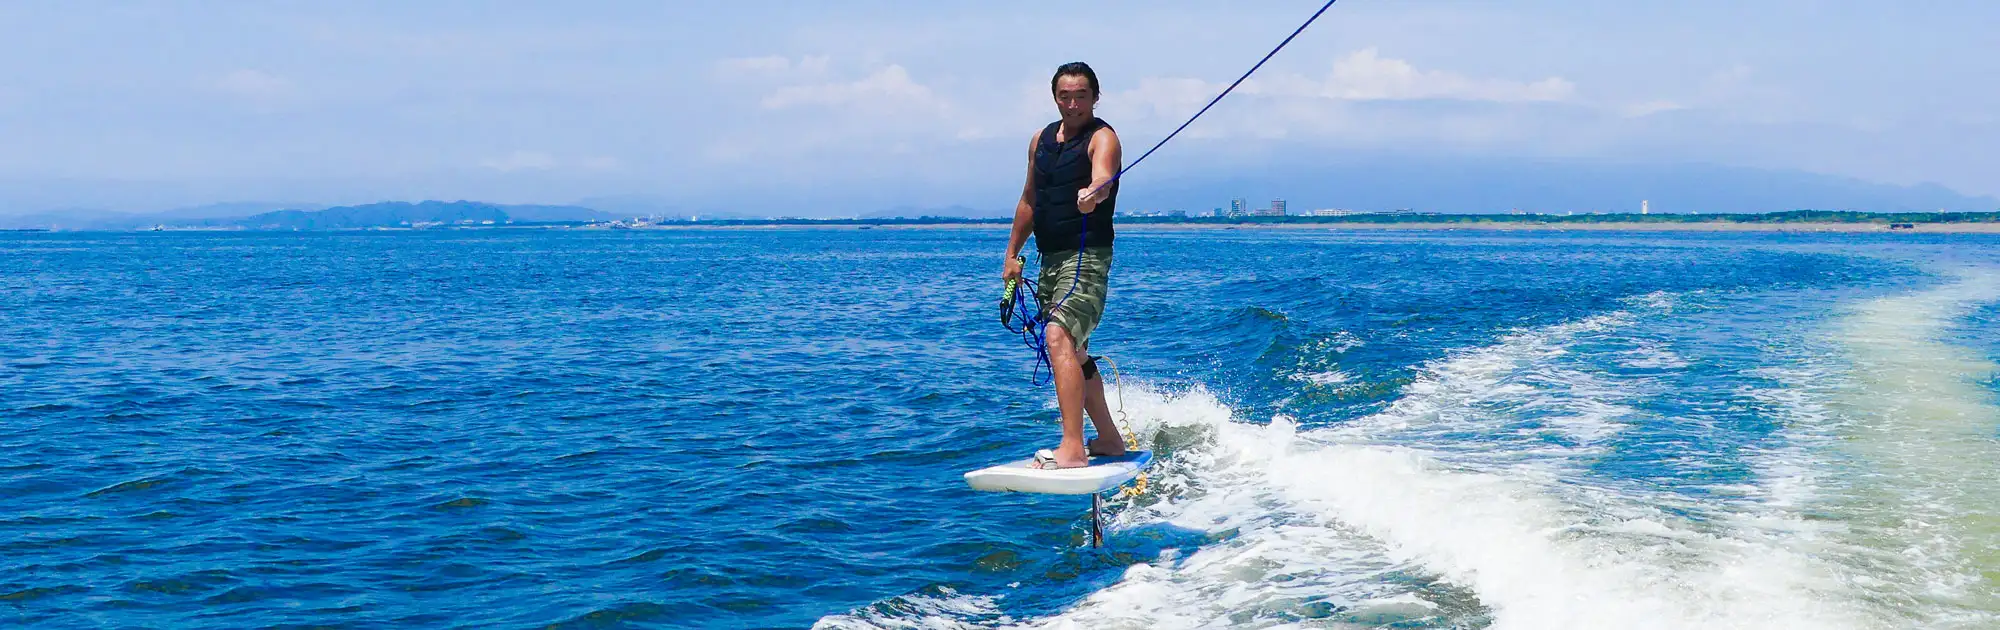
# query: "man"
1067,204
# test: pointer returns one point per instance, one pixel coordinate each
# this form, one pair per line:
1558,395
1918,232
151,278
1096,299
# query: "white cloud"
891,87
524,160
1278,106
257,87
1348,101
771,63
1738,92
1169,97
1731,78
811,64
1365,75
774,65
1648,108
601,163
805,118
520,161
1268,107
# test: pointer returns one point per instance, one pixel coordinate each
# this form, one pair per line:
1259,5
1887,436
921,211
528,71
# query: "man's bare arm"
1106,156
1024,214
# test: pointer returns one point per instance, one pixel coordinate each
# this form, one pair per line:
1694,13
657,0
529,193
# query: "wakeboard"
1103,473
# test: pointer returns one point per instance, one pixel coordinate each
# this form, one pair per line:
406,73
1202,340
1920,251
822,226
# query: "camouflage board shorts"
1081,310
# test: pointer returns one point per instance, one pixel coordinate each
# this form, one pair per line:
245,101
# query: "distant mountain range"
263,216
1463,185
275,216
96,219
634,206
402,214
1474,186
956,212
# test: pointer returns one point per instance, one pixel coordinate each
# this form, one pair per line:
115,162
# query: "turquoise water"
766,428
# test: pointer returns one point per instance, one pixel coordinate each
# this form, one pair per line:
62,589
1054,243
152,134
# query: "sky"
836,107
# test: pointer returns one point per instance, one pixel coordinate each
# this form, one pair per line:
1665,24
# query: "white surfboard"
1103,473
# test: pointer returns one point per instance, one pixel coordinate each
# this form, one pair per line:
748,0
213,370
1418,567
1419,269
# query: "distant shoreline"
1706,226
1702,226
1788,221
1848,227
454,215
1794,221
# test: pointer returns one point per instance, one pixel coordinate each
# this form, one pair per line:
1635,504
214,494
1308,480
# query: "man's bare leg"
1068,373
1109,441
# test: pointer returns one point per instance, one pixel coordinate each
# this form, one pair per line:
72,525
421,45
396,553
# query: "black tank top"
1062,169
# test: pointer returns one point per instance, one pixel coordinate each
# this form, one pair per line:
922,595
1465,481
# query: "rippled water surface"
766,428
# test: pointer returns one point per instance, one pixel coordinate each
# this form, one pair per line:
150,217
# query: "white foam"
1396,518
1652,356
1886,458
1321,521
1274,564
1327,378
1791,472
947,609
1351,505
1921,501
1319,361
1474,391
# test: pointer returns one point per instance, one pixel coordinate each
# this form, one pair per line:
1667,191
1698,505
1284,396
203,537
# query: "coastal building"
1645,206
1332,212
1278,207
1239,207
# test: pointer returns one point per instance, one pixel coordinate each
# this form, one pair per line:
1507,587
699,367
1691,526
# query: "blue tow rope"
1021,293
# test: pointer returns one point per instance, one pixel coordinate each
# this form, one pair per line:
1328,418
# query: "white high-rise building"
1644,206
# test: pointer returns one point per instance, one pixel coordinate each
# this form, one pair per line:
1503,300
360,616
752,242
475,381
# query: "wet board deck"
1103,473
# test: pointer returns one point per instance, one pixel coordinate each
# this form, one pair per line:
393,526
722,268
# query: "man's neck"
1072,125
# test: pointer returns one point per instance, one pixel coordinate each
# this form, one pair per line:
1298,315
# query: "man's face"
1074,96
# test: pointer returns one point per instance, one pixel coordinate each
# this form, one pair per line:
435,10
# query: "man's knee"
1059,340
1063,347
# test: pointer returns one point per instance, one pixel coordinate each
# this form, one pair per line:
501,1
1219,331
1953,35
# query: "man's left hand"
1085,201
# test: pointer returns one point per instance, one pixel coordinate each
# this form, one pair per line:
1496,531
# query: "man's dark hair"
1076,68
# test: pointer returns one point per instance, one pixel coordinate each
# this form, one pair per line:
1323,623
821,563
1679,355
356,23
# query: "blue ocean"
767,428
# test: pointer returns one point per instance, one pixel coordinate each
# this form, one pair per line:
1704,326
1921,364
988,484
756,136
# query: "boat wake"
1468,502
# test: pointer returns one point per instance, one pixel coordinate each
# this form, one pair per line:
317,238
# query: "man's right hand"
1011,270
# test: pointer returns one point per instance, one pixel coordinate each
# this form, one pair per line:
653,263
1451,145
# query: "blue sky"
847,105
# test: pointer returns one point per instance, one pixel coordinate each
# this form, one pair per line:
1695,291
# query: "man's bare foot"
1099,449
1046,459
